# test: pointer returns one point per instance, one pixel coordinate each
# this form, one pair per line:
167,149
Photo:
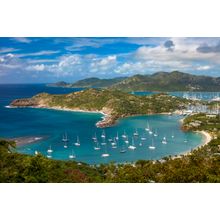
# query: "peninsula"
113,104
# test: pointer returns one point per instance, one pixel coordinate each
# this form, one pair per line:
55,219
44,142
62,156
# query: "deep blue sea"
53,124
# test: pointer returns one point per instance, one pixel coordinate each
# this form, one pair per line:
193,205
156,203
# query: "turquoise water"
52,124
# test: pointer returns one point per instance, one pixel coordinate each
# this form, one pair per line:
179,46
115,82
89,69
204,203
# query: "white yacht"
152,147
124,135
77,142
49,150
136,133
65,138
155,134
105,154
164,141
72,155
143,138
103,134
126,140
49,155
97,147
150,132
132,146
94,138
148,127
117,137
114,144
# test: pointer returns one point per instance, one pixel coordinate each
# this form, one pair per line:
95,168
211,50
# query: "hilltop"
92,82
115,104
173,81
160,81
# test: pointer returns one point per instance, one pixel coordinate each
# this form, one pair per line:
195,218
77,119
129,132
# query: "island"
159,81
114,104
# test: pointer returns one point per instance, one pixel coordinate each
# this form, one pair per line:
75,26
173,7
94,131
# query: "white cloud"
22,40
7,50
39,53
81,43
38,67
203,67
41,61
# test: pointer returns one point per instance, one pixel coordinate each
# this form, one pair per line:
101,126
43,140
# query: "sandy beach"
21,141
207,137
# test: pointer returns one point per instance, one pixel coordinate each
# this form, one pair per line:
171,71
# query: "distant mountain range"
160,81
92,82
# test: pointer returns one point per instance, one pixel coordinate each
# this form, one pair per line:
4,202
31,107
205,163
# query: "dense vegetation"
23,168
173,81
92,82
113,102
161,81
205,122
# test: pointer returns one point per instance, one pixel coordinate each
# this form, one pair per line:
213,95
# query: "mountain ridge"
159,81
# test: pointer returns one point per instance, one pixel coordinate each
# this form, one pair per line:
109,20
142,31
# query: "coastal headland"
113,104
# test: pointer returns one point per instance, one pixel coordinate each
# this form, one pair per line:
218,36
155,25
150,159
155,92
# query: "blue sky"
38,60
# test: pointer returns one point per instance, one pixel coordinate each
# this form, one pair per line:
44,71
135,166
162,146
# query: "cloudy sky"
28,60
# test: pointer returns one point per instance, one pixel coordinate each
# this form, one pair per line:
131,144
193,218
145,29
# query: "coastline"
207,137
22,141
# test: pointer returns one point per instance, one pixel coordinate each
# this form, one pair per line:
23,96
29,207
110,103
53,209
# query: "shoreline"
207,137
22,141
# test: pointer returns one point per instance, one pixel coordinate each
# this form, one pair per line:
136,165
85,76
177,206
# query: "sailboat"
65,138
135,133
103,134
104,142
132,146
94,138
123,150
143,138
65,145
152,147
105,154
49,155
124,135
72,155
117,137
114,143
164,141
77,142
36,152
155,134
126,140
148,127
49,150
97,147
150,132
172,136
